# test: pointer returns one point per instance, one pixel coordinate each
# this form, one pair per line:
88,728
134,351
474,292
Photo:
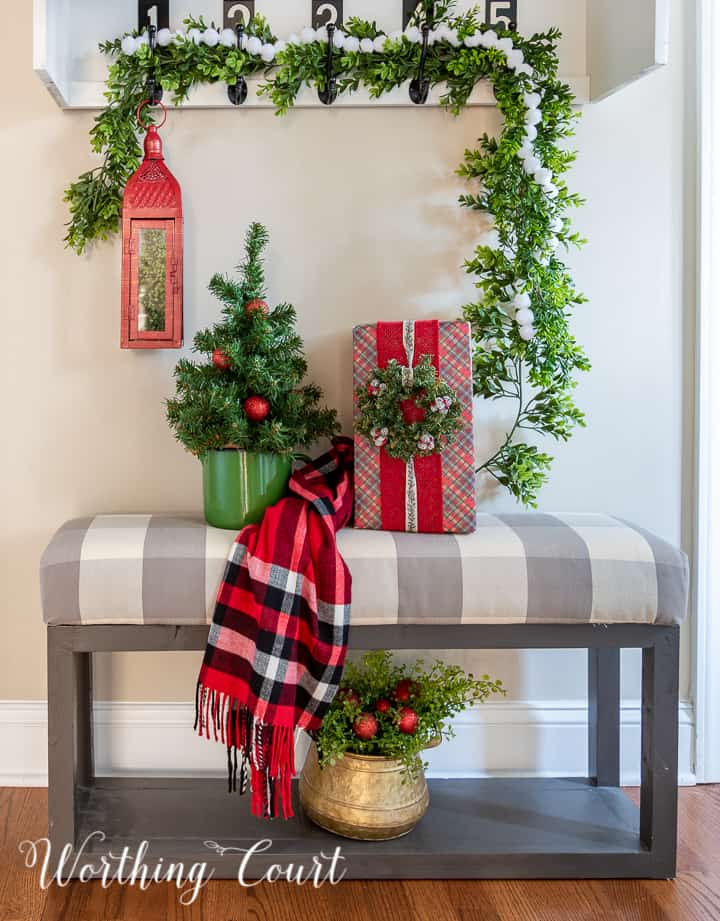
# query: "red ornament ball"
406,689
256,304
221,359
408,721
382,705
256,408
347,695
365,727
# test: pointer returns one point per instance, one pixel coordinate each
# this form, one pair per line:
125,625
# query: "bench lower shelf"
475,828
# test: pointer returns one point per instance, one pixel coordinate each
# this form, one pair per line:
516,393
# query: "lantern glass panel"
153,277
152,280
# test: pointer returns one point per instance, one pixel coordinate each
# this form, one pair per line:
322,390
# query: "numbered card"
154,12
408,10
291,15
237,13
327,12
501,13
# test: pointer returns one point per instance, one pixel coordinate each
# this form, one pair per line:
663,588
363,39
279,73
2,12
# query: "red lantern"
152,256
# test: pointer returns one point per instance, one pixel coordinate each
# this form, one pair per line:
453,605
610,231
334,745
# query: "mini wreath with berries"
411,412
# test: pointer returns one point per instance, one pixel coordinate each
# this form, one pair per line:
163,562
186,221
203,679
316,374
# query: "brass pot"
362,796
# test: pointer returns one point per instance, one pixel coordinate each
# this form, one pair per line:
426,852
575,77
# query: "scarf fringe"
257,752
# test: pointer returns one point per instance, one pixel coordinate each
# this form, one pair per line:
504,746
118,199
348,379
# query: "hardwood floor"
693,896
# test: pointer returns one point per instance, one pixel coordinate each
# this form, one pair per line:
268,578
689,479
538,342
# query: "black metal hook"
237,92
153,92
420,86
328,94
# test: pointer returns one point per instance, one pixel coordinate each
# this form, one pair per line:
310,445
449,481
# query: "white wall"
361,208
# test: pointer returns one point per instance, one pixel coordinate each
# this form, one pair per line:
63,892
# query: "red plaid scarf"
277,643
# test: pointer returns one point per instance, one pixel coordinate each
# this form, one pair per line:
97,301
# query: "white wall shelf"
604,46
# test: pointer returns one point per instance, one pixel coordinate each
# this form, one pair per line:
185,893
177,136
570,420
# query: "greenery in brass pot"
396,711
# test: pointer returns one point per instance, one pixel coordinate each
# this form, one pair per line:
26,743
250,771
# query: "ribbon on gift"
411,495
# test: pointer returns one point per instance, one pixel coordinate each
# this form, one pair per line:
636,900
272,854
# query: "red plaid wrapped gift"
429,492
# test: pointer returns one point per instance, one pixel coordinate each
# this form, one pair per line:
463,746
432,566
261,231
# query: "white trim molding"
706,587
515,737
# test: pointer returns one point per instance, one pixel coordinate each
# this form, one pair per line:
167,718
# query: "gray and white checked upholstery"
518,568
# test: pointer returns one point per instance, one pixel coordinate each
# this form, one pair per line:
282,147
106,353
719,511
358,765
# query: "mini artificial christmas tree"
247,405
250,394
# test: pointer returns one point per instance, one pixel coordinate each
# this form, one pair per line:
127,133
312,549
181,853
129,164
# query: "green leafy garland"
381,417
532,365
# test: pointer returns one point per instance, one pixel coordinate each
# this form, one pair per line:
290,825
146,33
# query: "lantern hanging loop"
420,86
149,102
237,92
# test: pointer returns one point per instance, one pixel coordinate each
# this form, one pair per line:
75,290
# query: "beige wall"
361,207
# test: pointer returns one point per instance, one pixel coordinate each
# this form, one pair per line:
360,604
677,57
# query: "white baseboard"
533,738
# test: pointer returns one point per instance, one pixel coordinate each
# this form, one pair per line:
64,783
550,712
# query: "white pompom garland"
526,333
128,45
254,45
515,59
524,317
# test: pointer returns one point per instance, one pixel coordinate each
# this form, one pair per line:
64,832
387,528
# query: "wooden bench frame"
74,789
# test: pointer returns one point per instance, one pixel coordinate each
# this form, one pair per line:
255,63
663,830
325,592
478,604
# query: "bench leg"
70,760
604,716
84,718
659,756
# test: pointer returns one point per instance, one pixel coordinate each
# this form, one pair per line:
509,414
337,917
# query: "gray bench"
116,583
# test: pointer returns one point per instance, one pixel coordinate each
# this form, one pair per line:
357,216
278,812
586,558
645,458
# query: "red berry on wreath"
365,727
405,689
256,408
408,721
382,705
256,304
221,359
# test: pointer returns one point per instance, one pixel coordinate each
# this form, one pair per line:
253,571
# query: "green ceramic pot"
239,485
